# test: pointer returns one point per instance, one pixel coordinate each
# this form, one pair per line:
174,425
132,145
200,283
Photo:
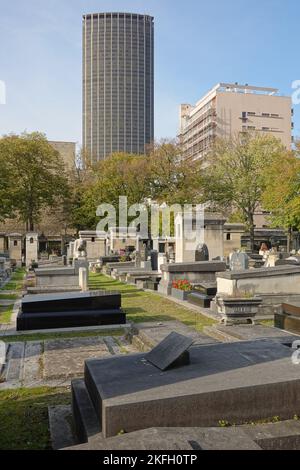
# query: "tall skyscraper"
118,83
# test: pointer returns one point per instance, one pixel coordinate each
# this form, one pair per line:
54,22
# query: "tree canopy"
35,176
234,175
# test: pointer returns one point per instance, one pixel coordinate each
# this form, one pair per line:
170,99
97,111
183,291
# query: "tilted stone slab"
170,352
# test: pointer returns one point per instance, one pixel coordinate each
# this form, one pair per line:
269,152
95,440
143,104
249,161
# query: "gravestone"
171,352
239,261
138,259
83,279
154,260
202,253
144,253
2,270
31,248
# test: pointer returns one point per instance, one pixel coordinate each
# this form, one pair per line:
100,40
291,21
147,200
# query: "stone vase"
235,311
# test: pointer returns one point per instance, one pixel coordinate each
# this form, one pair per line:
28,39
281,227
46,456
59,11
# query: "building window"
161,247
228,236
15,243
93,239
31,241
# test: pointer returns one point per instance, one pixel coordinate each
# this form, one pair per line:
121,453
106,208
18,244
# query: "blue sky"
198,43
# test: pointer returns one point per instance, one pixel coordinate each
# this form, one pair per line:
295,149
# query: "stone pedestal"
31,246
80,262
211,234
15,247
193,272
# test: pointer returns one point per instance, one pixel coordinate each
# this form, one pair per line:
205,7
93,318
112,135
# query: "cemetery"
115,335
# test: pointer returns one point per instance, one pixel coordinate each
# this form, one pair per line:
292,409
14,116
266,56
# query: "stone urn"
238,310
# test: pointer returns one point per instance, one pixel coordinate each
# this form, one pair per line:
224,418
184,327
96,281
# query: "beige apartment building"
228,109
67,151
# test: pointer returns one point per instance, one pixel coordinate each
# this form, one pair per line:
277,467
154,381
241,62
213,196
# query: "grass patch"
46,336
8,297
143,306
266,322
5,315
24,417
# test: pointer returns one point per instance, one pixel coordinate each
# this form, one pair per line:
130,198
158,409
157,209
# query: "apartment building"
230,108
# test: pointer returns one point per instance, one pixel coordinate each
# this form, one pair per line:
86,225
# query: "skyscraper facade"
118,83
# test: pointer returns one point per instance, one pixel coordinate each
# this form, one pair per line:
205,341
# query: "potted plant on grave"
238,308
181,288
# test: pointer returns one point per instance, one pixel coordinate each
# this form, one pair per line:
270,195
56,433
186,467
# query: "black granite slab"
207,288
171,352
63,319
70,309
199,299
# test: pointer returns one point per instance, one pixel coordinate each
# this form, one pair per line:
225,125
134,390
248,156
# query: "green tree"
282,194
39,179
6,185
174,179
234,175
119,175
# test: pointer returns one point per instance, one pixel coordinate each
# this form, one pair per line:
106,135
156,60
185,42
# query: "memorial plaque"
171,352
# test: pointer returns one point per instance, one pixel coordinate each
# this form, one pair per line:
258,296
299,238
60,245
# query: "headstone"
138,259
79,248
70,309
202,253
171,352
31,248
239,261
144,253
154,260
83,279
